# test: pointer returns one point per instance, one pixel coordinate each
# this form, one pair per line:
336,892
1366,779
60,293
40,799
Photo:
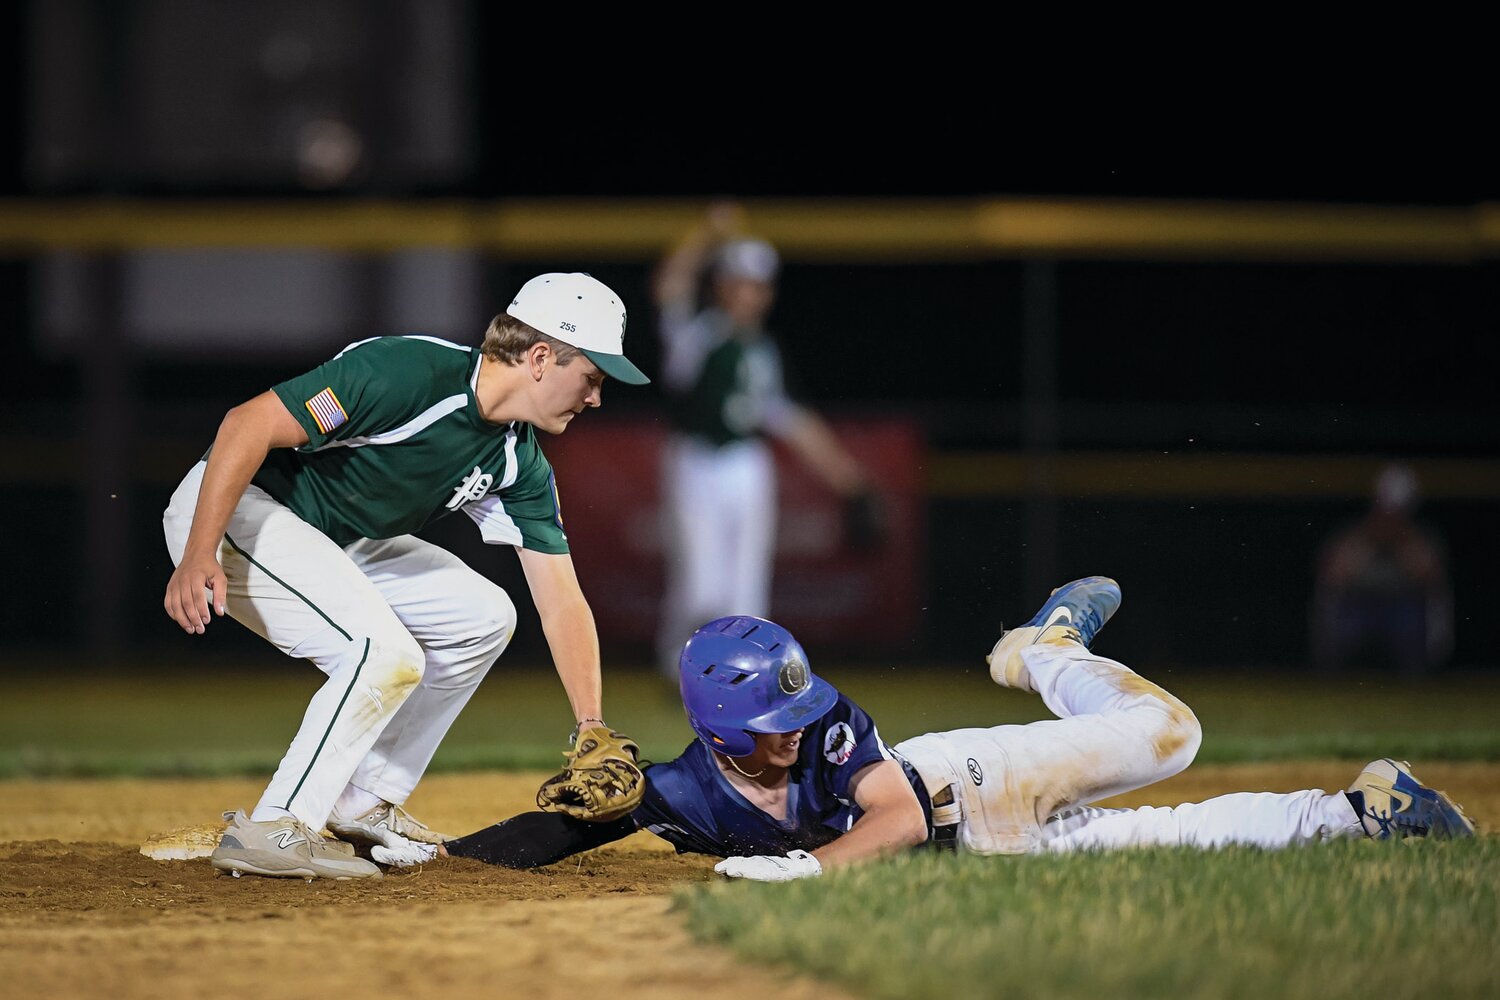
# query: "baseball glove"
601,781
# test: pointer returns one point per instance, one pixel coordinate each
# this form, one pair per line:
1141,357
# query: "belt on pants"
945,836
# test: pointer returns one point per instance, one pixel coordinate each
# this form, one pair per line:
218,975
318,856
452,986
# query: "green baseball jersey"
723,384
396,441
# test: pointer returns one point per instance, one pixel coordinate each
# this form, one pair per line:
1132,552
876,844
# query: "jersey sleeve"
850,743
526,513
362,391
686,342
775,413
533,839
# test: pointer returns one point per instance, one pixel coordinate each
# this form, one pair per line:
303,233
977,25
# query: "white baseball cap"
581,311
749,258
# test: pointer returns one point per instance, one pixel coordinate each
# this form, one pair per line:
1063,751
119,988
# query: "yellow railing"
887,230
983,474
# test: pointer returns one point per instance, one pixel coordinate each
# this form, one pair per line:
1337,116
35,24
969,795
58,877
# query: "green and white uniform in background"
322,561
726,395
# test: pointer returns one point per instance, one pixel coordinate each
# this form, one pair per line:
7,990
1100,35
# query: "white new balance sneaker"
1075,612
284,848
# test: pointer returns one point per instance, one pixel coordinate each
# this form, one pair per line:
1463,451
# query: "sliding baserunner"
788,776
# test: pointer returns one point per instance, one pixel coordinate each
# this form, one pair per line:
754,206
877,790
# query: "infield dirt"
83,913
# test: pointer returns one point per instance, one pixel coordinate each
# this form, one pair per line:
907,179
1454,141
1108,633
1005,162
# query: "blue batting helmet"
742,675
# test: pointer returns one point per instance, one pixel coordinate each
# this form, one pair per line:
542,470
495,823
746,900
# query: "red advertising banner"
609,481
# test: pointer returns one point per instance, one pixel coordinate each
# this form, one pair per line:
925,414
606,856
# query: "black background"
1369,360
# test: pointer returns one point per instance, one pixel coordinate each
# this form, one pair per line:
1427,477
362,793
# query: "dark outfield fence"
1213,583
1153,395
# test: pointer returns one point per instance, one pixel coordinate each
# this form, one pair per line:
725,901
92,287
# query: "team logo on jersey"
975,772
838,745
474,486
793,676
327,412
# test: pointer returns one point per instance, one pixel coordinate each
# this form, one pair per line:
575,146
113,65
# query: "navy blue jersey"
691,804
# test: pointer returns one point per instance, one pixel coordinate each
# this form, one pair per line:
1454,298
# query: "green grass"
1345,919
239,721
238,718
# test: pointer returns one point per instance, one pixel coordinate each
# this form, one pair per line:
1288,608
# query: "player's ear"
538,357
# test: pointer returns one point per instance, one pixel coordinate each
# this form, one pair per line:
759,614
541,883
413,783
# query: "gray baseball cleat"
284,848
1075,612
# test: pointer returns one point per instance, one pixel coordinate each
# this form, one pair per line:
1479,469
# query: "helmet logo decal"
838,744
794,676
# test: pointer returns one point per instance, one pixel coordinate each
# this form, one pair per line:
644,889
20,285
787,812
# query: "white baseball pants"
404,630
1027,788
719,517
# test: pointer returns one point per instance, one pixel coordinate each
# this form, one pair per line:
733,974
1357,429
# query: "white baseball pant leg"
307,596
1116,732
1262,819
462,620
1258,819
720,519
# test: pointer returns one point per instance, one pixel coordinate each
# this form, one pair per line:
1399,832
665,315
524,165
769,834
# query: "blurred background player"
789,776
300,523
1382,592
722,374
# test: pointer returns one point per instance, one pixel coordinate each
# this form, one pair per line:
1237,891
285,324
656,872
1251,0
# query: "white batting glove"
766,868
406,854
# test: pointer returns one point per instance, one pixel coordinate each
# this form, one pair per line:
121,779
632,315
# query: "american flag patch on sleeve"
327,410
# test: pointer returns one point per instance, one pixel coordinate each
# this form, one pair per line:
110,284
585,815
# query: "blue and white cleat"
1391,802
1074,613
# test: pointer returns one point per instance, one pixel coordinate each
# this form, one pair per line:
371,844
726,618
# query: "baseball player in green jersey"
299,523
722,375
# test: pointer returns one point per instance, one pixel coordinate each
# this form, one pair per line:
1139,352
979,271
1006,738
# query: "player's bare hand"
197,590
726,219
